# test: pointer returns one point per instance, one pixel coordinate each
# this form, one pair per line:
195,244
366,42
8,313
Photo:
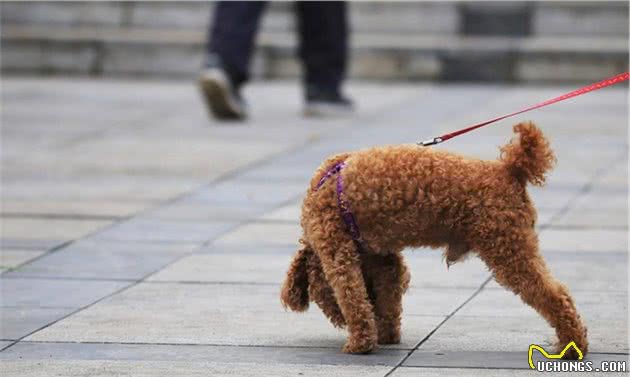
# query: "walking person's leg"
229,50
323,28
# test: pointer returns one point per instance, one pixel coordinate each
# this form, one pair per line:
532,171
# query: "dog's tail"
294,293
529,157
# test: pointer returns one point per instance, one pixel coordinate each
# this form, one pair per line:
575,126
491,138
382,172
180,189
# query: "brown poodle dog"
410,196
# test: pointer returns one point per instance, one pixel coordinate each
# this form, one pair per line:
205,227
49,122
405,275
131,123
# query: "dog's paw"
579,338
359,346
571,353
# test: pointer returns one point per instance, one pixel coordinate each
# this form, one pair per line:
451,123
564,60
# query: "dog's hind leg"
322,293
388,279
342,267
518,265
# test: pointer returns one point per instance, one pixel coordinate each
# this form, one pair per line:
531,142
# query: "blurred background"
524,42
139,236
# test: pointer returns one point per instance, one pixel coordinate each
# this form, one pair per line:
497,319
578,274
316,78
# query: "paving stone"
263,233
16,322
285,251
188,210
53,293
11,258
87,208
48,229
217,268
155,159
289,213
406,371
105,260
482,372
545,217
30,244
565,182
491,360
428,270
148,230
109,179
268,264
609,184
183,157
594,218
602,201
497,320
485,333
551,200
223,315
285,172
226,318
434,301
102,368
297,170
583,240
198,353
4,344
500,302
249,192
499,325
591,272
614,177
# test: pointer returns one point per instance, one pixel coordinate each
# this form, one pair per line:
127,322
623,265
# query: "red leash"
589,88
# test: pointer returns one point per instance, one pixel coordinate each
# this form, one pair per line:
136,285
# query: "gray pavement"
139,238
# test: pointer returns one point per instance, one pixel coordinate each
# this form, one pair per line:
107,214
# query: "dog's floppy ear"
529,157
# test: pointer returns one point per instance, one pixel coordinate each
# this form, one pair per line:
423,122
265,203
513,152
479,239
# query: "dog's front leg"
342,268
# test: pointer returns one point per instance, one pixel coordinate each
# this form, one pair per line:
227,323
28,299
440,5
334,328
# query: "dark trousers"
323,39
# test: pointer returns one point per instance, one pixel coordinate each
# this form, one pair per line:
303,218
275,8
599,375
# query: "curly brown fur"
407,196
529,157
294,292
387,279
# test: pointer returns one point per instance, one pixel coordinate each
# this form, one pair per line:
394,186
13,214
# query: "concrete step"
112,51
603,18
544,18
376,17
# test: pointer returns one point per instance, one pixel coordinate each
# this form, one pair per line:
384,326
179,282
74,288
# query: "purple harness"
344,207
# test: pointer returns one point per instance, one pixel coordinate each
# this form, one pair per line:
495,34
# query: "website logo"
549,356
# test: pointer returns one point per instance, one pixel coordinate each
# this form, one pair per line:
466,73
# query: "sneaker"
326,103
222,97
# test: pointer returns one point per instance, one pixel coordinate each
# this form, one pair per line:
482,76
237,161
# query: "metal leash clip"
435,140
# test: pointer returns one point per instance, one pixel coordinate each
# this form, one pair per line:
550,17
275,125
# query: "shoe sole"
217,95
